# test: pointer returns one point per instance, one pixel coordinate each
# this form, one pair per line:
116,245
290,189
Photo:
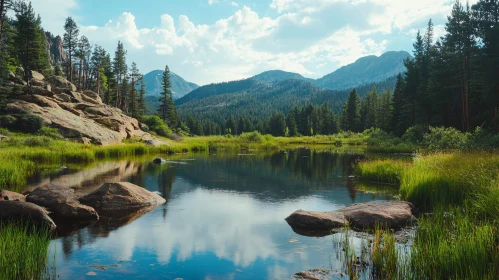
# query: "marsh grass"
23,252
382,170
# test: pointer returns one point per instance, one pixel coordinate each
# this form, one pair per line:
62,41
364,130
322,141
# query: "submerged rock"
363,216
25,212
60,201
116,197
8,195
159,160
313,274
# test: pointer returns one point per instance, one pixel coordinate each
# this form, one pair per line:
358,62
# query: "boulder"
62,204
20,211
39,100
117,197
8,196
37,76
92,97
363,216
159,160
60,82
320,221
390,214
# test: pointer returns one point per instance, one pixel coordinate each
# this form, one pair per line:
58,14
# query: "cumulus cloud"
311,37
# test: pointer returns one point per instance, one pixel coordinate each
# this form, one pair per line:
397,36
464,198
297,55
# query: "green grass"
23,252
382,170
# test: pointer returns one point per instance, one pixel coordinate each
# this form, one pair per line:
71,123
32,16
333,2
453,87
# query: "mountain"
180,87
365,70
278,76
258,100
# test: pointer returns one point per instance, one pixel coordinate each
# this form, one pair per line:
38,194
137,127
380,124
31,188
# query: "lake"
224,216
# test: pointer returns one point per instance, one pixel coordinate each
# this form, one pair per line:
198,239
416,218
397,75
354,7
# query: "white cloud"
311,37
211,2
54,13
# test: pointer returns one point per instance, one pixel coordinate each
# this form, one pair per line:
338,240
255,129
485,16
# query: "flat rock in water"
20,211
390,214
319,221
363,216
159,160
60,201
8,195
123,196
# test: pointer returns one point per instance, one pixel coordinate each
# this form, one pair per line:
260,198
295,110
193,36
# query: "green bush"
481,139
441,138
415,134
7,121
254,136
5,132
28,123
157,125
50,132
37,141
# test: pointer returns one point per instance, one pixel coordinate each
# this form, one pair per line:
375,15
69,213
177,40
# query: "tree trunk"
132,91
79,74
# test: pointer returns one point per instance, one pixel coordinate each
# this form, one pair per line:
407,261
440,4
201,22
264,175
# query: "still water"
224,217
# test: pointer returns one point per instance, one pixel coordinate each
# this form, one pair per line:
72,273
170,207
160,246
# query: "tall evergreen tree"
120,70
352,113
141,103
70,43
83,49
134,77
167,108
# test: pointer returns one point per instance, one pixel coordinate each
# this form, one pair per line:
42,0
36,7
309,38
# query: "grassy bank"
457,195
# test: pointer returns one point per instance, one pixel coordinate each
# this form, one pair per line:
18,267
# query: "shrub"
37,141
7,121
28,123
415,134
441,138
5,132
254,136
481,139
157,125
50,132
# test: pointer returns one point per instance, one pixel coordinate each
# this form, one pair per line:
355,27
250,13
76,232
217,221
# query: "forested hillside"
366,70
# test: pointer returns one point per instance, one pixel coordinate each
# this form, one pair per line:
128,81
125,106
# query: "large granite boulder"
387,214
8,196
363,216
61,83
319,221
121,197
25,212
62,204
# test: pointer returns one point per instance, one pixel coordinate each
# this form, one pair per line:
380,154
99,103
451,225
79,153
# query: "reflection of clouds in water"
232,226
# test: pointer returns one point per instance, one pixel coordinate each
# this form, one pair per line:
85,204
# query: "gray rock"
25,212
60,201
363,216
159,160
123,196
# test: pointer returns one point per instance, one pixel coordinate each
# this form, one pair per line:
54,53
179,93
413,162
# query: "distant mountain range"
180,87
278,90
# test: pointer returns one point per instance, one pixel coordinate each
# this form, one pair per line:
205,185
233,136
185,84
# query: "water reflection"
224,218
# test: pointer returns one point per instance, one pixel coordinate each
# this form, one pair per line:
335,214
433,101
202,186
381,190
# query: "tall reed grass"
23,252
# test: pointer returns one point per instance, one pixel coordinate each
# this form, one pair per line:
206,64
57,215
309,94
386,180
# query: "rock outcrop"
121,197
11,196
79,116
61,203
363,216
22,212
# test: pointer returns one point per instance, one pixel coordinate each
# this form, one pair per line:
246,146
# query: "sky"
207,41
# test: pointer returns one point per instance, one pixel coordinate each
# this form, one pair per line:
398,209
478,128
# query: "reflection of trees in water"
279,175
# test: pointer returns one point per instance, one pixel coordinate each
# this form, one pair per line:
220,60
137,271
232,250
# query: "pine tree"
25,39
369,110
141,103
134,76
167,109
70,43
120,70
399,116
277,124
353,117
82,51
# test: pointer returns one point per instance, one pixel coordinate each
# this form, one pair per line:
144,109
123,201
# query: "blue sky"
208,41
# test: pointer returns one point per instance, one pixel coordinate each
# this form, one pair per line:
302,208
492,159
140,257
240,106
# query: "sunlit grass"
23,252
382,170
